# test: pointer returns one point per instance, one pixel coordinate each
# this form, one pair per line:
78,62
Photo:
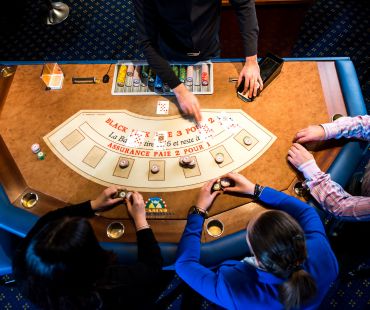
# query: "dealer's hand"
105,199
136,208
252,76
311,133
188,102
298,155
242,184
205,197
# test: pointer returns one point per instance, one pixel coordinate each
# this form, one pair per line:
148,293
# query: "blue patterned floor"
339,28
12,299
94,30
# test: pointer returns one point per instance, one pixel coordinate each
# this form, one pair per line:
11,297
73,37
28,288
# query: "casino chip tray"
137,78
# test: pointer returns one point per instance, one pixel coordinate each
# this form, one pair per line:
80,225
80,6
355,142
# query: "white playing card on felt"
227,122
160,140
163,106
205,131
135,139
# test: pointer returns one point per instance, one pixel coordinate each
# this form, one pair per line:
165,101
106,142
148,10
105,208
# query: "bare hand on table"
298,155
252,76
188,102
311,133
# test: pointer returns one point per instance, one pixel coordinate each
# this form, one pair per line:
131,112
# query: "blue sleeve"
209,284
304,214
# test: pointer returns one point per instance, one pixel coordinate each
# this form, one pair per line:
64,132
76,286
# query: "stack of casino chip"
154,169
219,158
205,75
123,193
189,76
129,75
222,183
196,76
187,162
124,163
121,76
182,74
151,77
136,79
175,70
37,150
158,84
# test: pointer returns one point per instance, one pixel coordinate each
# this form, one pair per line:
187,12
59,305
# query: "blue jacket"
237,285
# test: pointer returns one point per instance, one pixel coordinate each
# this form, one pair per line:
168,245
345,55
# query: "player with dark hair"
292,264
188,31
281,250
61,265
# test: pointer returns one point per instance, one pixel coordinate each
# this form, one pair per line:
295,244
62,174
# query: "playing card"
227,122
205,131
135,139
160,140
163,107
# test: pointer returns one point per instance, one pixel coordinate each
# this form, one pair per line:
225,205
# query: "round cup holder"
336,116
115,230
300,191
215,228
29,200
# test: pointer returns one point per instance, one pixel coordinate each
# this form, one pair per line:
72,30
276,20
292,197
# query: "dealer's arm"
247,18
148,32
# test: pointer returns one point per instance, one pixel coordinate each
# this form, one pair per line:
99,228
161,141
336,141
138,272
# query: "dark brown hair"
60,266
278,244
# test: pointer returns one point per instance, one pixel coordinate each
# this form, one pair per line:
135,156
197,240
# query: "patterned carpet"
94,30
11,298
339,28
104,30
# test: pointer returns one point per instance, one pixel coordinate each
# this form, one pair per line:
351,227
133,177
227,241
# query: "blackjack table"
92,137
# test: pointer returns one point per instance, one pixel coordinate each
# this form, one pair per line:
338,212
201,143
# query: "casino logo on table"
155,205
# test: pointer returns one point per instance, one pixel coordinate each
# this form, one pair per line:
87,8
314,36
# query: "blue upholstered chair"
21,222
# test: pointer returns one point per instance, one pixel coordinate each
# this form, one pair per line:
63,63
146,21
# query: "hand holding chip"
136,208
206,196
252,76
242,184
310,133
188,102
105,199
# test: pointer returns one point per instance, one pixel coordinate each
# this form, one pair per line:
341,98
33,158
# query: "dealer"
188,31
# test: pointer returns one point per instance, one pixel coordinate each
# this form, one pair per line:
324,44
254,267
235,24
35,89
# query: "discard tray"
139,79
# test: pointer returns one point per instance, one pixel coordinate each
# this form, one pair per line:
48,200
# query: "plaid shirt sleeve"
333,198
348,127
